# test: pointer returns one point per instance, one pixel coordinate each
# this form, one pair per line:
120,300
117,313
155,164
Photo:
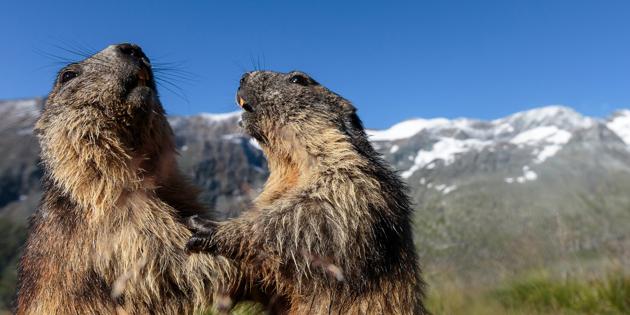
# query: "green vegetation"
539,294
243,308
610,295
12,236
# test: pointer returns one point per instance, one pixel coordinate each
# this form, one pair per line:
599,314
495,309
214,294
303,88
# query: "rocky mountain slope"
543,188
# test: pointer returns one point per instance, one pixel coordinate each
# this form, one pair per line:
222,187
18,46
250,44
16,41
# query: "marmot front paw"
203,232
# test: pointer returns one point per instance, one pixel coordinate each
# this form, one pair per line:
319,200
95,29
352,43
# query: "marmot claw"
200,242
203,232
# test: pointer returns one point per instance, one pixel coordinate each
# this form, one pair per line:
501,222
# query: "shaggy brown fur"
331,232
108,236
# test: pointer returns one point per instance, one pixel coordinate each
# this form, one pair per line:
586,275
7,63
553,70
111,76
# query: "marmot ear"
351,121
347,107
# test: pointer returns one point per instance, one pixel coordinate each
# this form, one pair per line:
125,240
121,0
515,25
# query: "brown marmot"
109,234
331,232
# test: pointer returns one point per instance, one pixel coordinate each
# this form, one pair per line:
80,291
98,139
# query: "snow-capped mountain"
542,131
518,192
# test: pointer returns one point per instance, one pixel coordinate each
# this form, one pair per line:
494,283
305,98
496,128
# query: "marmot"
331,231
109,234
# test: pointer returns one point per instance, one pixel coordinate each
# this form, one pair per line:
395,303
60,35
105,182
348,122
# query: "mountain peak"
620,113
556,115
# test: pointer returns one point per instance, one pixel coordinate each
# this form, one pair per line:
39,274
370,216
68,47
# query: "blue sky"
394,60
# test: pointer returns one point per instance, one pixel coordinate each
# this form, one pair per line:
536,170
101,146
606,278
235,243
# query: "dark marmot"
331,231
109,234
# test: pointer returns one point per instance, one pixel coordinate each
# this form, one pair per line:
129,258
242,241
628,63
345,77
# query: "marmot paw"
203,232
200,242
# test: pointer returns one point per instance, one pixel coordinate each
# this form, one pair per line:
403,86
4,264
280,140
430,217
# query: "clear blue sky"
394,60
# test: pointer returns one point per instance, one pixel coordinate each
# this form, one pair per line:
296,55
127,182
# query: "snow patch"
394,149
546,152
440,187
443,188
405,129
552,137
503,128
528,176
621,125
446,150
449,189
237,138
232,137
550,134
255,144
220,117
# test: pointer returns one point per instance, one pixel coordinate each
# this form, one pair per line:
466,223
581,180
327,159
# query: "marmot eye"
67,76
299,79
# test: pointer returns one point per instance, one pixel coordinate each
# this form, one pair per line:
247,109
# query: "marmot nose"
242,102
133,51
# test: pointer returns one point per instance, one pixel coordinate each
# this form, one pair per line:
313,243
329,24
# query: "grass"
242,308
12,236
537,295
610,295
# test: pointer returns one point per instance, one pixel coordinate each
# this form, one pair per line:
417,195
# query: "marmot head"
103,121
293,108
111,93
